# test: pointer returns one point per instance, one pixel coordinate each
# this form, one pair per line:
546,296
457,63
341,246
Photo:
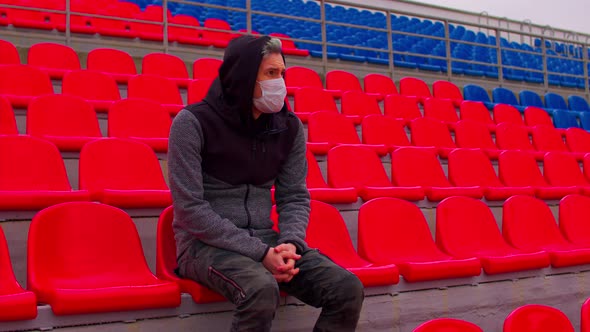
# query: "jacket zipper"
246,208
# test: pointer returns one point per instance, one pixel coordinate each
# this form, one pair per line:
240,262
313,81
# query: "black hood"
231,93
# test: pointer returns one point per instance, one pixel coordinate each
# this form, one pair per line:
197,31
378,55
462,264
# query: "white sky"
563,14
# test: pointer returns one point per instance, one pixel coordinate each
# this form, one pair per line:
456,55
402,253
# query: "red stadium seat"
528,224
33,176
117,27
15,302
198,89
117,64
577,140
327,232
166,65
477,111
534,116
289,46
123,173
470,167
357,103
319,189
537,318
339,80
310,100
153,30
414,87
412,166
585,321
361,168
206,68
158,89
153,129
510,136
23,18
384,130
379,84
574,211
8,53
166,262
519,169
429,132
78,23
97,88
21,83
475,135
448,325
447,90
85,258
547,138
7,120
301,77
183,35
466,227
217,38
506,113
69,122
442,110
393,231
402,107
54,59
329,129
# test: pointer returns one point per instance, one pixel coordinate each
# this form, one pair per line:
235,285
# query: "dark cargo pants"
255,292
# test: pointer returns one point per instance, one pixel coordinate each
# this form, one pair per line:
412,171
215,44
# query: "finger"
289,265
282,277
294,272
289,255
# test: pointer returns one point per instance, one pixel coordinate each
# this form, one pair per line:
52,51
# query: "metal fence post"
448,49
165,28
324,36
389,44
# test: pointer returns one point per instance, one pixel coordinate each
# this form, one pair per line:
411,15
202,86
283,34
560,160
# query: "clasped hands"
280,261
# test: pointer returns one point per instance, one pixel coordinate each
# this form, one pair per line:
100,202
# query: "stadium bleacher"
438,179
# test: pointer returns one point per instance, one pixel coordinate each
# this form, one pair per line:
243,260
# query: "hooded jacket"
222,164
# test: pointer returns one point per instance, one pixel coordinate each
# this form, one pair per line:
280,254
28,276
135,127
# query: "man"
224,156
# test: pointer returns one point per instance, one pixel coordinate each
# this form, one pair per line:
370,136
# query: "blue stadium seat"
504,96
477,93
554,101
577,103
565,119
530,98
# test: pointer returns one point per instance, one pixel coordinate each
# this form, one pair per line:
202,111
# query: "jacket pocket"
224,282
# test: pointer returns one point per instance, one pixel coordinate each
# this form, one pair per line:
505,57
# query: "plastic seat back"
379,129
468,167
566,119
392,230
198,89
555,101
502,95
62,115
476,111
473,134
513,137
331,127
355,166
342,80
411,86
24,81
447,325
206,68
417,167
83,241
506,113
358,103
7,119
466,226
298,77
166,246
475,93
534,116
111,61
314,178
309,100
215,23
158,89
35,164
377,83
123,117
577,140
119,164
446,90
8,53
547,138
183,19
440,109
574,223
327,231
528,223
49,55
530,98
401,107
537,318
103,87
431,132
165,65
578,103
519,169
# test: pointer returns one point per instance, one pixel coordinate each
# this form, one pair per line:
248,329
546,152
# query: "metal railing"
500,64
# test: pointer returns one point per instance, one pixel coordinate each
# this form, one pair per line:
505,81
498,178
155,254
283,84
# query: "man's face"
271,67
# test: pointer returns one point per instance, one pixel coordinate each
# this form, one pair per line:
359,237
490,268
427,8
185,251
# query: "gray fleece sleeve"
192,213
292,196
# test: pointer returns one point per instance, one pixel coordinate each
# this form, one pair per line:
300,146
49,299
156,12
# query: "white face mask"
273,95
